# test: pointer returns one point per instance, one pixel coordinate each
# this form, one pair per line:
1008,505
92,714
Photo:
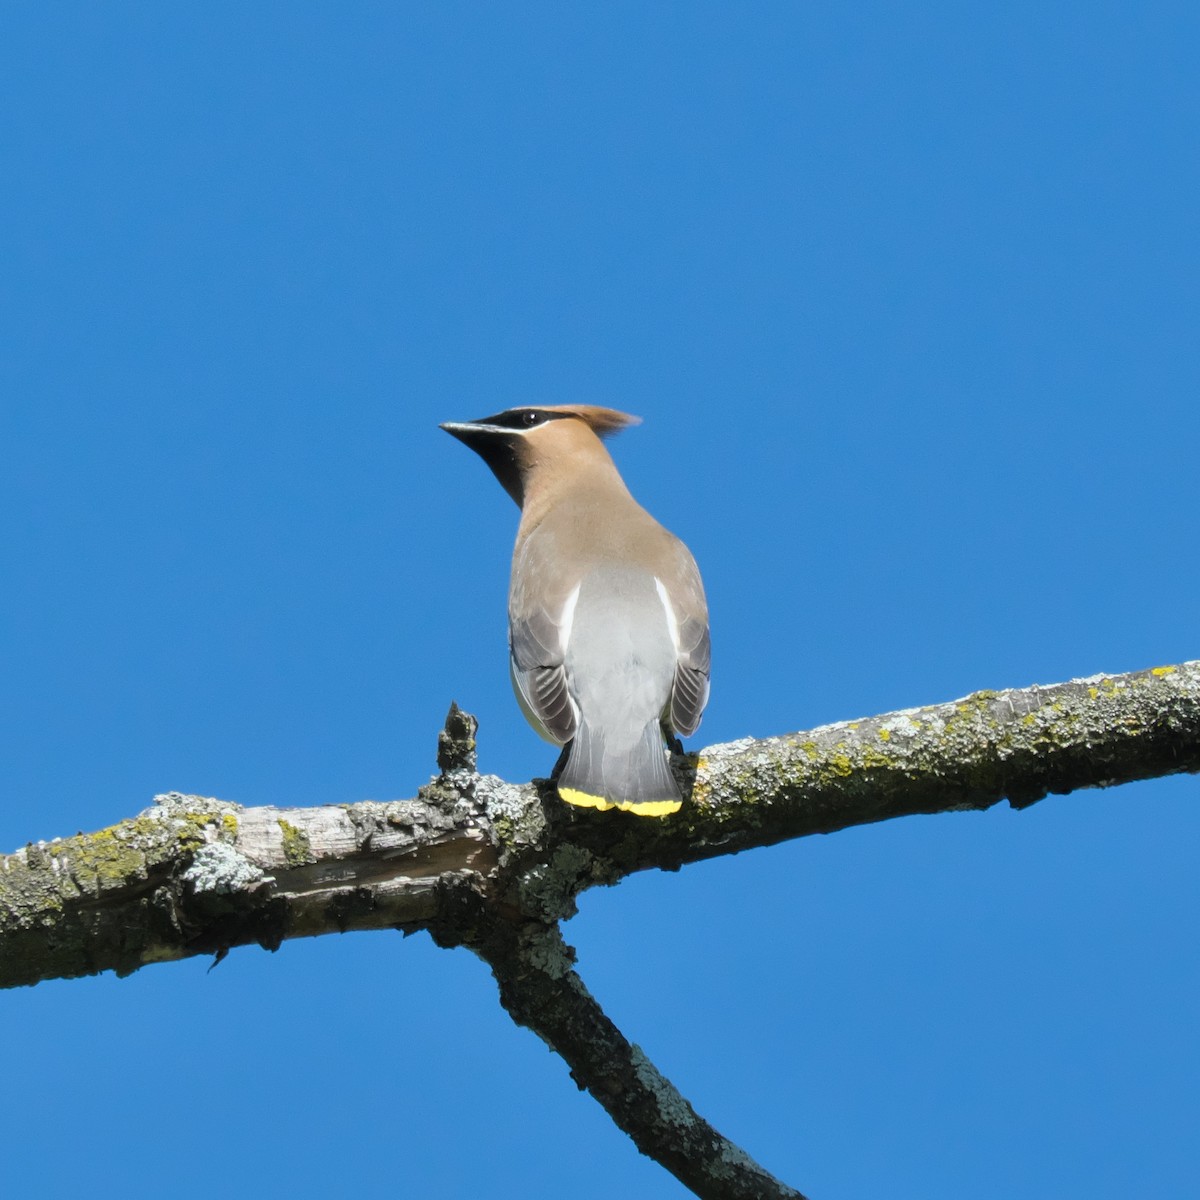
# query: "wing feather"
689,692
540,677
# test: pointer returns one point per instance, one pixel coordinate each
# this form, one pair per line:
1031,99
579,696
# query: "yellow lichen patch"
1162,670
841,765
297,849
1093,692
193,828
106,856
885,734
869,758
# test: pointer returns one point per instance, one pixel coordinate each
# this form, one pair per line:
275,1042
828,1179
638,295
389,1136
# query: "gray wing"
540,677
689,692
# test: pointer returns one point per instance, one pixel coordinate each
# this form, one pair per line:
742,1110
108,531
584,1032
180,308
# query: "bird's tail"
635,777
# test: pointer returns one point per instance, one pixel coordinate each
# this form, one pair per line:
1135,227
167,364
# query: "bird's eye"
531,417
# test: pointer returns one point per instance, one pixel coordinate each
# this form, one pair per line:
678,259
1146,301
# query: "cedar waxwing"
608,626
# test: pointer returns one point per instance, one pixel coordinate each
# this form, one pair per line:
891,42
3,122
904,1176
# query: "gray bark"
494,866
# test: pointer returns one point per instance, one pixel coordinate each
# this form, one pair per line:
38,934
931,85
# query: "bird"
609,647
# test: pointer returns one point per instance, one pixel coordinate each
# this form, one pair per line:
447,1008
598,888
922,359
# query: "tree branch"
197,876
494,866
539,988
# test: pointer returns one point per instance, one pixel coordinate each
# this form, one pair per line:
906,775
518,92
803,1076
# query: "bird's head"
519,441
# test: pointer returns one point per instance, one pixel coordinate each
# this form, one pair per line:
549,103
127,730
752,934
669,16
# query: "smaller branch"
540,990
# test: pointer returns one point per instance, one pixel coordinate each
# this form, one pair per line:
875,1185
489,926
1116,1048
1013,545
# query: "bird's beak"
472,433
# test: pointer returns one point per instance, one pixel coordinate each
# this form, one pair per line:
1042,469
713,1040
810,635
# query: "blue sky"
907,298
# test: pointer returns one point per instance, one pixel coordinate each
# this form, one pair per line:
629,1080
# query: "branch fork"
496,866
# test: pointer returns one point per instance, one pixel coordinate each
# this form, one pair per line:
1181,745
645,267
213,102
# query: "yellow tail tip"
646,808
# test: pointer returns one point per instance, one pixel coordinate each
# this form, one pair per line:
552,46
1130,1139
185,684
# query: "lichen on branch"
193,875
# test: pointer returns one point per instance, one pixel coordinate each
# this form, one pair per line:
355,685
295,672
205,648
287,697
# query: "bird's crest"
603,422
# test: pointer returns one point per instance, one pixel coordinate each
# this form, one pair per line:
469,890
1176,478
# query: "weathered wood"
194,875
495,866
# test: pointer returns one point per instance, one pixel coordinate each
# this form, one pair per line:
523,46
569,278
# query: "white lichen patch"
219,869
174,800
459,778
548,890
672,1107
512,811
726,749
735,1156
500,799
901,725
547,952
